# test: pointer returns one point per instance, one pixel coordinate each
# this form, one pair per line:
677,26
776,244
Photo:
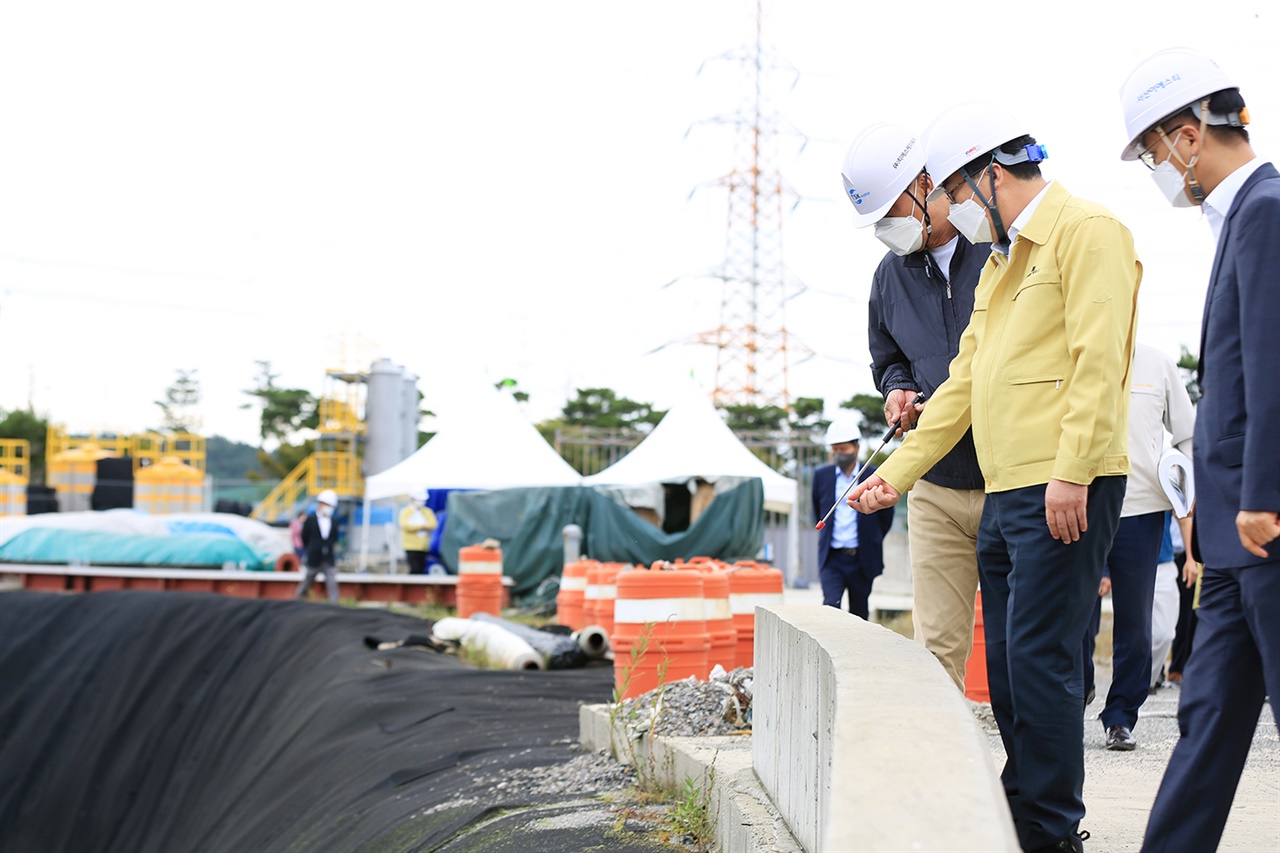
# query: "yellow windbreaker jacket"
1043,370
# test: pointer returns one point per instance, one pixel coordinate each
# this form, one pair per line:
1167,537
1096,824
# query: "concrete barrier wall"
863,743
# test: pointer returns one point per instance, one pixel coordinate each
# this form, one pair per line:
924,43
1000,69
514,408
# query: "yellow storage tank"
72,474
168,486
13,494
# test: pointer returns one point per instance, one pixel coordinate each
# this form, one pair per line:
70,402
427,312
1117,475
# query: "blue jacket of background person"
871,528
1237,458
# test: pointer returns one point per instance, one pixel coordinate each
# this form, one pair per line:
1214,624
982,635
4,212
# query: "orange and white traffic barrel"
751,585
479,580
571,599
659,629
723,633
602,590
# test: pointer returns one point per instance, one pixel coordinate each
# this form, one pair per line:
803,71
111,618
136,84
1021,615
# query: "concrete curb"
864,743
745,817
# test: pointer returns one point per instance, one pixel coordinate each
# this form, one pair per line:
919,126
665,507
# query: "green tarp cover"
528,523
95,548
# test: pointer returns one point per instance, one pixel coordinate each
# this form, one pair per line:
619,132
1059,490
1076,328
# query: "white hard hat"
328,496
967,131
880,164
419,494
843,428
1166,83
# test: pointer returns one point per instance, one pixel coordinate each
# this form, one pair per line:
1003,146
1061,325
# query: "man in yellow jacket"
416,523
1042,377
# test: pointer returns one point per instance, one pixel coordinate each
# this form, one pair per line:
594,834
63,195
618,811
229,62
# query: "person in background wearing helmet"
319,538
850,546
921,299
416,524
1186,120
1043,379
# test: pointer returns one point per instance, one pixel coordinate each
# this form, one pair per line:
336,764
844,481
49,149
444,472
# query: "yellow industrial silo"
168,486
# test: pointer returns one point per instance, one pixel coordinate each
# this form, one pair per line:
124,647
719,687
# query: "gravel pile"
589,773
692,708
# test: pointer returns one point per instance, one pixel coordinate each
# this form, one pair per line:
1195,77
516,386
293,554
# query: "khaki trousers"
942,531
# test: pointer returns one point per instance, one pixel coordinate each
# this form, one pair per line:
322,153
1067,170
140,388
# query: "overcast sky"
492,189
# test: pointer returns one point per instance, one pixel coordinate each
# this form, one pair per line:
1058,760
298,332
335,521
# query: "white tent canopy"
693,441
483,443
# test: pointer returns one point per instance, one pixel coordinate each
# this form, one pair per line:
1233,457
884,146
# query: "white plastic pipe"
593,641
498,644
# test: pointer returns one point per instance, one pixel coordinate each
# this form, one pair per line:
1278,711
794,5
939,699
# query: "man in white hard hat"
1043,379
319,538
921,299
416,523
850,546
1186,120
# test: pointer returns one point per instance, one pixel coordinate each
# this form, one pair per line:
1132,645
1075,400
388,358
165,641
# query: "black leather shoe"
1121,739
1070,844
1089,697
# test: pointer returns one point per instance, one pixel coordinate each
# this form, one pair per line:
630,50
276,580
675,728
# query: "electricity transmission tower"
753,345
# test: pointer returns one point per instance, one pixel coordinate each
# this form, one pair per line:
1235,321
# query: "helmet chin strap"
1001,235
1193,184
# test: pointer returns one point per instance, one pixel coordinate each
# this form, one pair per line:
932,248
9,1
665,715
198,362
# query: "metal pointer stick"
893,427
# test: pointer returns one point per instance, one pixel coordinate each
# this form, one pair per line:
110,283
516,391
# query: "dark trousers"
1235,666
1186,630
1132,567
309,577
1037,594
417,562
841,573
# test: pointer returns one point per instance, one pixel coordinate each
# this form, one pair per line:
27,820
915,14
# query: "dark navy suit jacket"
871,528
319,551
1237,441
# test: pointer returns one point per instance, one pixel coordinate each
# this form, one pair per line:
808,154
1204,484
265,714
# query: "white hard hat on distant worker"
419,495
1165,84
328,496
844,429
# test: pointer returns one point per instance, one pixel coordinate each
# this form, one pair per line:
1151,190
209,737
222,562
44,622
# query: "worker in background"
1186,120
921,299
319,540
416,523
850,547
1158,402
1043,378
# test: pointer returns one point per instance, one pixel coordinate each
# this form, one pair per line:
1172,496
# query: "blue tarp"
92,547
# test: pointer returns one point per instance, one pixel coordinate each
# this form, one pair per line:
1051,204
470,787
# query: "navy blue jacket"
1237,442
916,317
871,528
317,550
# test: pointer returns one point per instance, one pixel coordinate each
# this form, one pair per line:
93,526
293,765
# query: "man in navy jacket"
850,545
1186,121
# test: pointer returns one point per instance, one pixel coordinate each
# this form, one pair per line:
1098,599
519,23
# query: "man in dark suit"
319,539
850,549
1186,121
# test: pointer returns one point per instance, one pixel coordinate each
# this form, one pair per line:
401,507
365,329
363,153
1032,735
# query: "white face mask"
902,234
970,219
1172,184
324,511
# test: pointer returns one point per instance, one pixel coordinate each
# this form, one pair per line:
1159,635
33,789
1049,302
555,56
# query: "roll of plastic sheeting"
501,646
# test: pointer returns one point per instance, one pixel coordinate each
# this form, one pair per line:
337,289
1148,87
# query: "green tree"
24,423
742,417
870,407
514,387
1190,366
284,411
179,403
602,407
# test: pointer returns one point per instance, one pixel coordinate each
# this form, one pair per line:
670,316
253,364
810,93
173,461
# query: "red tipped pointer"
893,427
